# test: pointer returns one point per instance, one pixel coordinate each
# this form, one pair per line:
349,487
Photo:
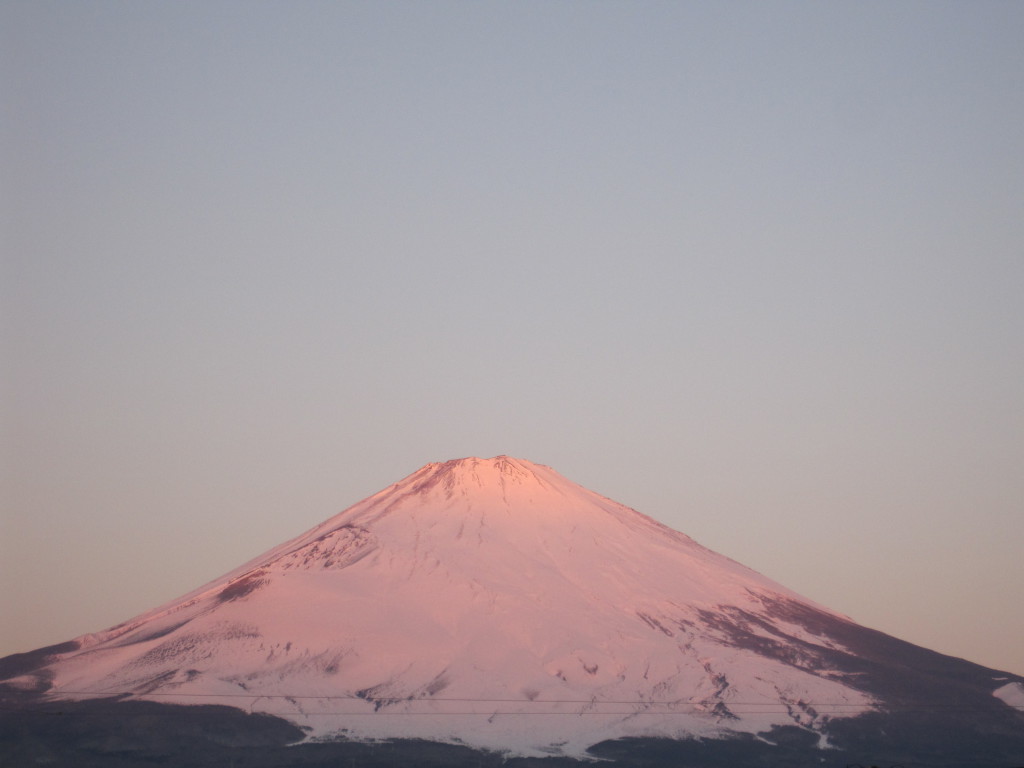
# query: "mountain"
493,604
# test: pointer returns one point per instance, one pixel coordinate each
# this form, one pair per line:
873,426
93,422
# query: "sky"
751,268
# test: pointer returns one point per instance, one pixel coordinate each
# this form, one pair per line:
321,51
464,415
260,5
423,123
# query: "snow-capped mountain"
494,603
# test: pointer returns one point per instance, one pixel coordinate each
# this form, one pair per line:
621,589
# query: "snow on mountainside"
468,599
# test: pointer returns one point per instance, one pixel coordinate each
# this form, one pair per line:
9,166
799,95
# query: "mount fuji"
494,604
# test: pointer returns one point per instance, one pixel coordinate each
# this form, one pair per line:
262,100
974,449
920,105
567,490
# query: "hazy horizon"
752,269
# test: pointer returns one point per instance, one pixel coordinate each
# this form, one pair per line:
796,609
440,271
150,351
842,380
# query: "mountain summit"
494,603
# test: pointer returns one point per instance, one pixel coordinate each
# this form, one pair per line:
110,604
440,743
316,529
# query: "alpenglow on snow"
494,603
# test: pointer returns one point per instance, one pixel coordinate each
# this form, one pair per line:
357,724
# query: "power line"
398,699
660,707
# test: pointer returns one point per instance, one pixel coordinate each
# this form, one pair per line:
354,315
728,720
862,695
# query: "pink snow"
461,603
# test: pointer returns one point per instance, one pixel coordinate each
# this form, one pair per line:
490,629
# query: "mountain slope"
497,604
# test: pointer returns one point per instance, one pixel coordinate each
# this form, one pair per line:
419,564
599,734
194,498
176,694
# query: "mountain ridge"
473,595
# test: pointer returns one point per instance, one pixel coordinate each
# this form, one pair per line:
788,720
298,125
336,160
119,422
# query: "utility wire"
399,699
659,707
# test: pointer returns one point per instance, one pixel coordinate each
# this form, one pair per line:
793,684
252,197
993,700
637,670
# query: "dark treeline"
136,734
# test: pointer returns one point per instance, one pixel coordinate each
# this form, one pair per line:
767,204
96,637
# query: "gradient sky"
753,269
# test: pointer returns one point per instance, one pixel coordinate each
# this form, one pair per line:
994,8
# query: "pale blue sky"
754,269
